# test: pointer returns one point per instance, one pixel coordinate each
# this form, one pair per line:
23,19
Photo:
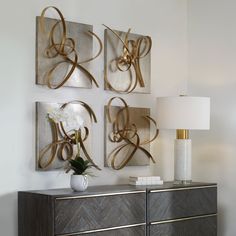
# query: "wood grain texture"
197,227
91,210
35,215
134,231
184,203
78,215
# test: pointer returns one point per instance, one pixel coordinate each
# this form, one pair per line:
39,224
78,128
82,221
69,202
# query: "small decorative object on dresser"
183,113
79,180
145,180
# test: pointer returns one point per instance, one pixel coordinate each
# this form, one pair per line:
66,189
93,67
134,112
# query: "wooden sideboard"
121,210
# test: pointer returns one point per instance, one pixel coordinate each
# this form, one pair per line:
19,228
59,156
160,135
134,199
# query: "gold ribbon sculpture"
65,49
133,51
63,141
126,135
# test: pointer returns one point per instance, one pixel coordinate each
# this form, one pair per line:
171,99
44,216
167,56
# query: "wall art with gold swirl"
128,135
56,141
64,52
127,61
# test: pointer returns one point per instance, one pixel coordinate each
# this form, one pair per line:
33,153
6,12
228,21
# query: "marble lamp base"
183,161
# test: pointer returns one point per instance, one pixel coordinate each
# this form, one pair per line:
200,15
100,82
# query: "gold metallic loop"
65,49
150,119
114,32
63,148
133,51
99,51
125,134
109,104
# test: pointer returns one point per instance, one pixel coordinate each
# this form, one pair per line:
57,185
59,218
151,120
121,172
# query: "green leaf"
80,159
79,165
76,165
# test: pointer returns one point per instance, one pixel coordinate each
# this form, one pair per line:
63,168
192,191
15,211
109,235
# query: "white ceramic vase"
79,183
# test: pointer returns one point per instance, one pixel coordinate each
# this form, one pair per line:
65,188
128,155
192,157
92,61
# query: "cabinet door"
197,227
134,231
91,213
182,203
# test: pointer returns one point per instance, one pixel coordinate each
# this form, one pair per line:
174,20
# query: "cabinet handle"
181,189
182,219
102,230
99,195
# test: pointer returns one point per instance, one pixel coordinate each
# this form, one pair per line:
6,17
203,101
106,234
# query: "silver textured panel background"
120,80
44,133
83,45
139,159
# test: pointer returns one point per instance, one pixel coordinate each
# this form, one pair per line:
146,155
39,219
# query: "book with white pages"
144,178
157,182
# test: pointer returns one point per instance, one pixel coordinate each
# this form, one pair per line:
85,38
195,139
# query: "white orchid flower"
69,117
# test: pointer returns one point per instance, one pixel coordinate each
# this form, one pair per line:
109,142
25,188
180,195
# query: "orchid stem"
77,137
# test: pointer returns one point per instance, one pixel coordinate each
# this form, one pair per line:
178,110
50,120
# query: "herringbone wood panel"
198,227
177,204
78,215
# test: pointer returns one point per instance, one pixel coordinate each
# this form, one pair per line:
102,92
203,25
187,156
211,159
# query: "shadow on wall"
8,214
221,220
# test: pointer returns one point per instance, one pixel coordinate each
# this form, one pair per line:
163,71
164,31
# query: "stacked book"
145,180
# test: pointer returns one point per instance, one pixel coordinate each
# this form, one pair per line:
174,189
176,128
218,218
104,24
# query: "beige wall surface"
212,72
164,20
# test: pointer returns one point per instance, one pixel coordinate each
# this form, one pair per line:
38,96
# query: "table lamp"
183,113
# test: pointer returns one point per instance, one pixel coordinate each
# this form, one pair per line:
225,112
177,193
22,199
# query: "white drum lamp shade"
183,113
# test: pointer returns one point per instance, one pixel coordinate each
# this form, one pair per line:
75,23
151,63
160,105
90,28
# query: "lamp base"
182,182
183,161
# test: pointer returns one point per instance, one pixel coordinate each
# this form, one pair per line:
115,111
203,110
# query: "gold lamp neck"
182,134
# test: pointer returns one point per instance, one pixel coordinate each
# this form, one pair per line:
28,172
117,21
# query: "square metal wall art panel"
127,62
56,142
128,136
64,51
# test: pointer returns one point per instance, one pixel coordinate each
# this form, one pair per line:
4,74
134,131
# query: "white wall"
164,20
212,63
